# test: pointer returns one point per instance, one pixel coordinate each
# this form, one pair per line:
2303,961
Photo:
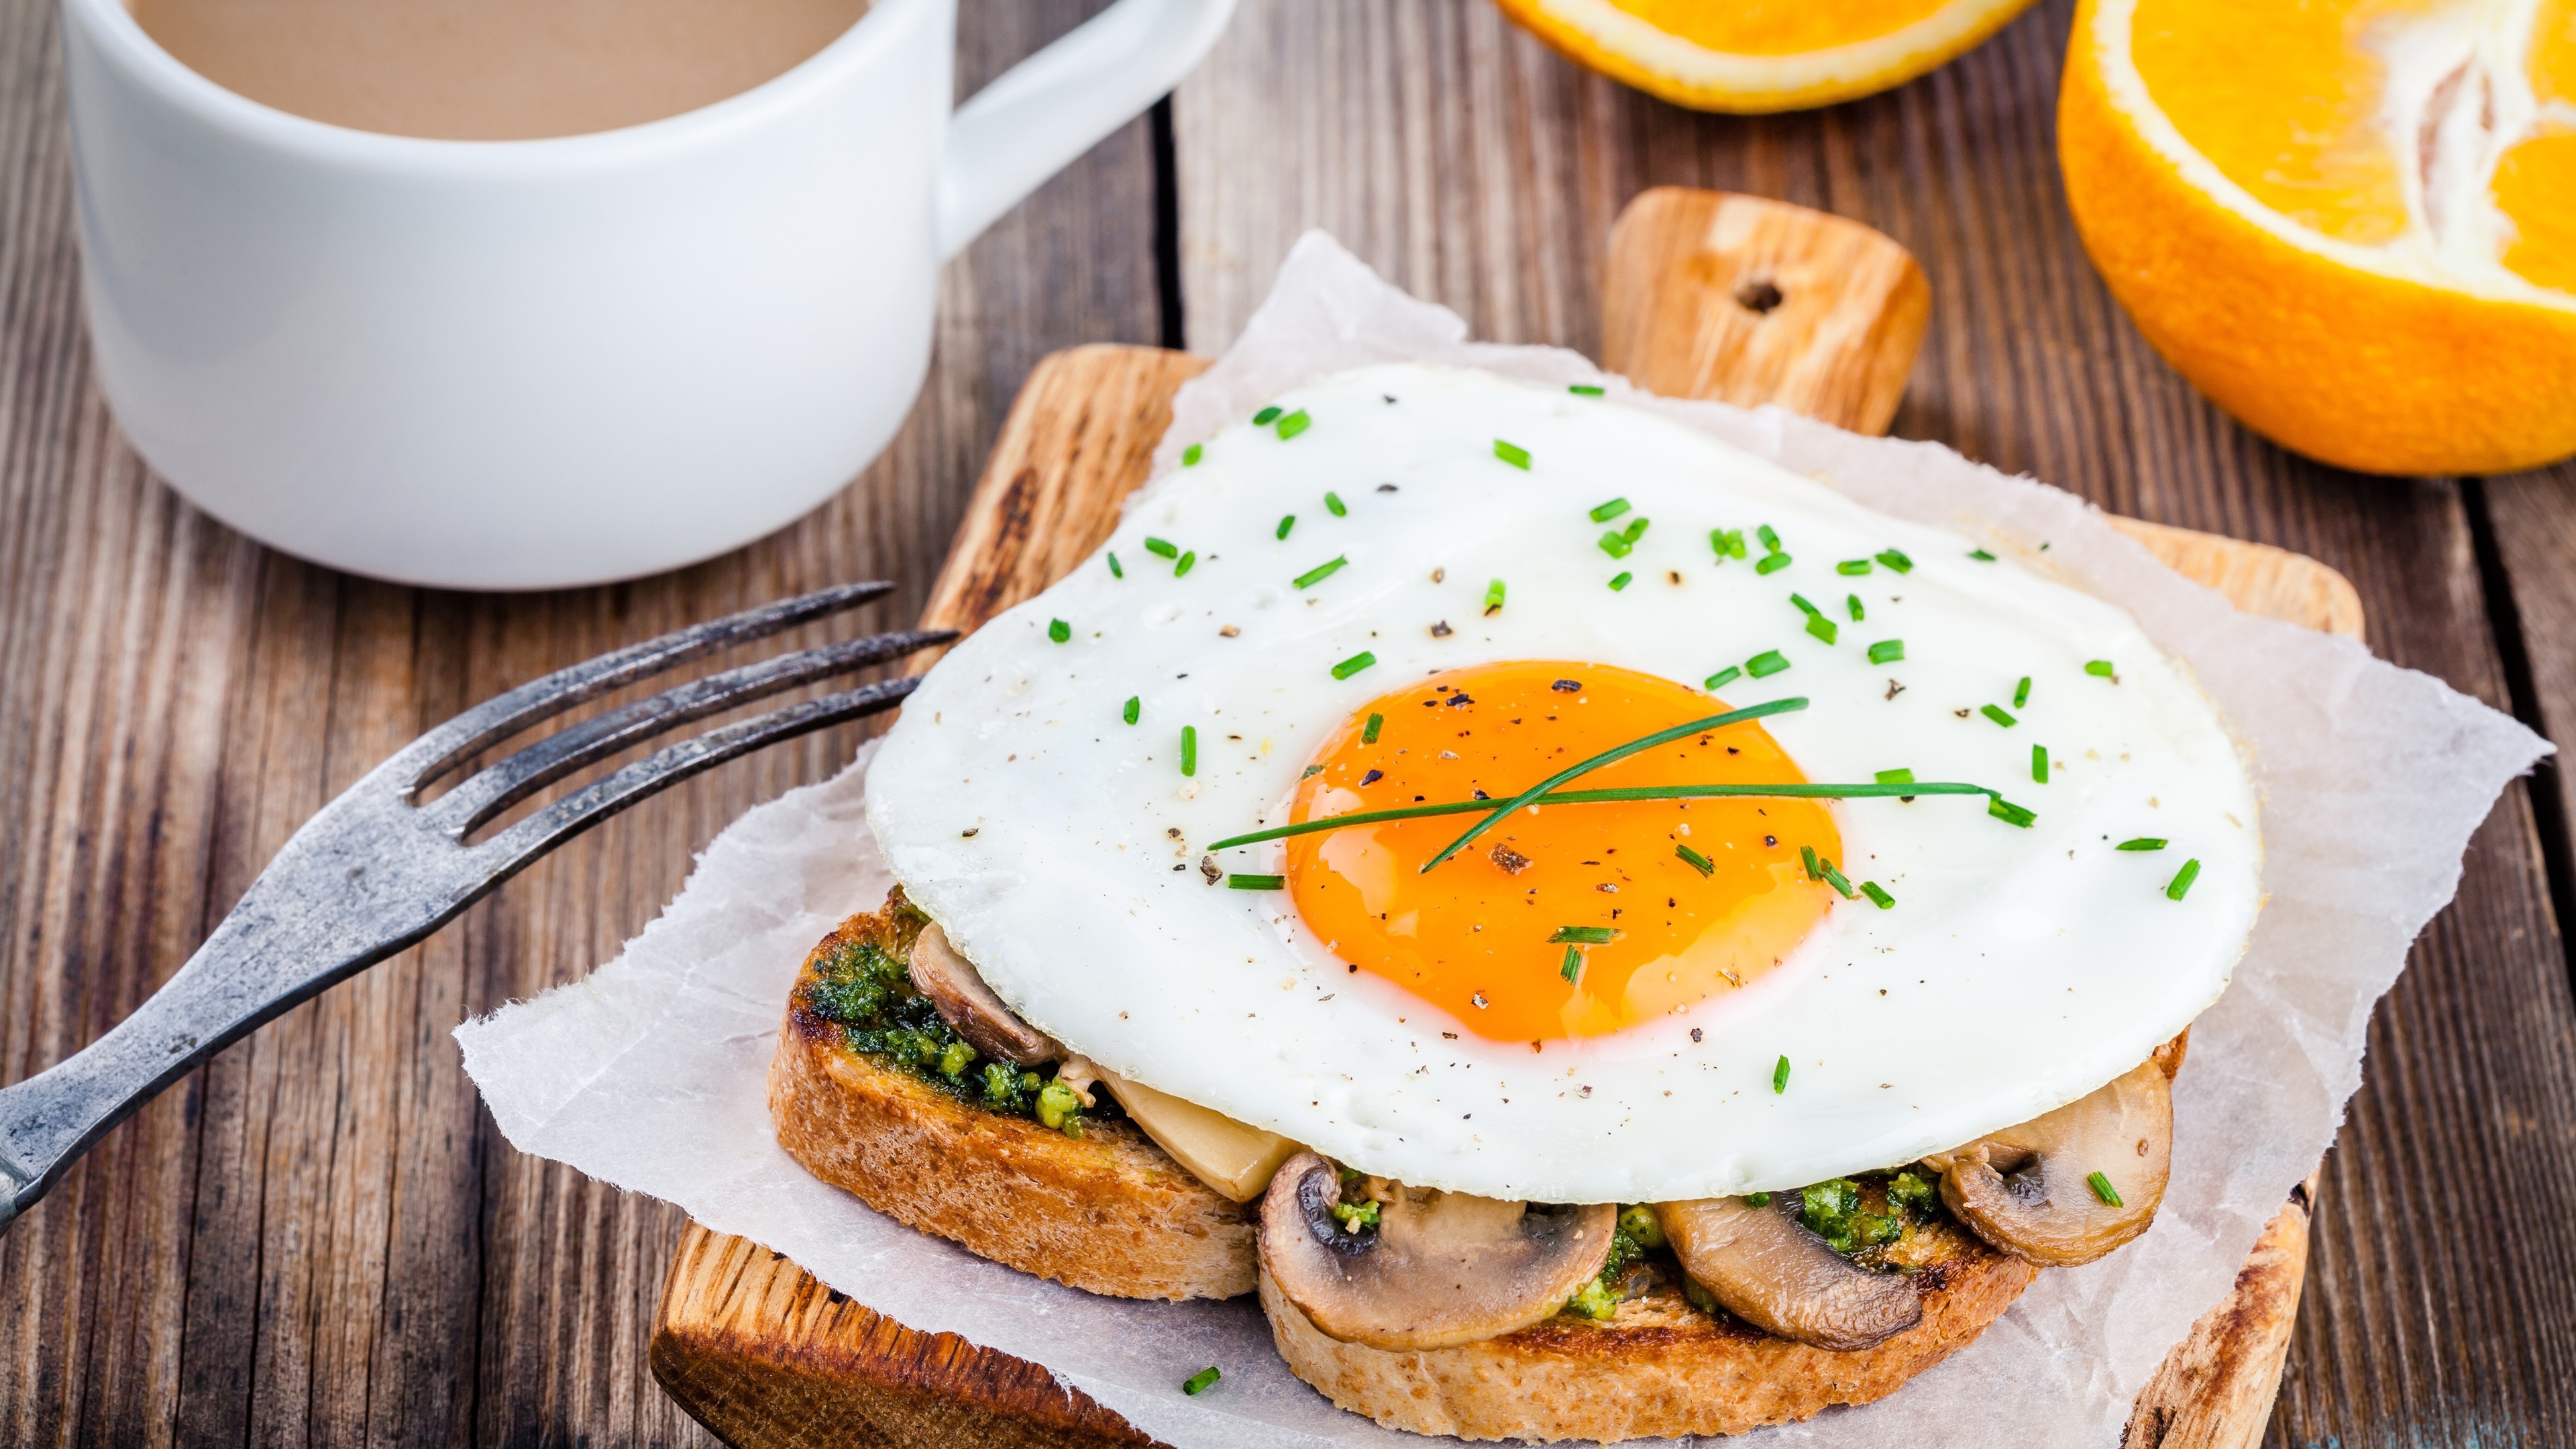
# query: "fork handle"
253,967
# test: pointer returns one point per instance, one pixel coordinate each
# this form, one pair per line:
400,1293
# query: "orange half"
2351,223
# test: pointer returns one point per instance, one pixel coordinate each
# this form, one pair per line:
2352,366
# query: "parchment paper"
649,1074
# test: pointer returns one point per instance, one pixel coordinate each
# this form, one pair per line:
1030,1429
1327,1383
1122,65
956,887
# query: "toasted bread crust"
1660,1368
1109,1213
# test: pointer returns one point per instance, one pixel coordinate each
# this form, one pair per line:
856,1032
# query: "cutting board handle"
1749,301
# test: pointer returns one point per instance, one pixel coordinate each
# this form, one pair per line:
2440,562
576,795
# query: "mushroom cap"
1442,1268
2028,1191
967,1004
1769,1270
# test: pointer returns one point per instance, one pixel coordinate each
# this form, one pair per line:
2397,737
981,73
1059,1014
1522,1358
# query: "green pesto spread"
866,991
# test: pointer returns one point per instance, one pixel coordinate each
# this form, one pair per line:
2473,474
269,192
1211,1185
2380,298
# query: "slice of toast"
1657,1369
1108,1212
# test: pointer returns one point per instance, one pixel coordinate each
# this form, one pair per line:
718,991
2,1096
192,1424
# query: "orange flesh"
1778,27
1471,936
2285,98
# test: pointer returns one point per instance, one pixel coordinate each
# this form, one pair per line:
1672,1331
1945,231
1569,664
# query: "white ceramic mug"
525,364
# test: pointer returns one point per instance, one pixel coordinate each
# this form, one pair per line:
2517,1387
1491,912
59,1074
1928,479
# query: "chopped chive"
1980,555
1636,529
1256,882
1896,777
2103,1189
2039,764
1623,795
1512,453
1877,897
1722,678
1852,567
1616,544
2182,879
2009,813
1997,715
1333,506
2021,693
1621,581
1320,572
1583,389
1779,1084
1190,456
1840,882
1287,521
1766,663
1200,1382
1803,606
2143,842
1852,602
1588,935
1822,627
1772,563
1897,561
1135,707
2098,668
1610,510
1059,630
1887,651
1181,566
1807,854
1573,966
1262,419
1368,732
1161,549
1311,772
1189,749
1293,424
1770,540
1729,542
1354,664
1115,571
1695,860
1493,596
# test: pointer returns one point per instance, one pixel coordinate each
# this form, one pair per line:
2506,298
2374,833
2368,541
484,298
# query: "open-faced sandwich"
1606,936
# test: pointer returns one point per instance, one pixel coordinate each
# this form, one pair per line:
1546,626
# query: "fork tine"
645,778
503,784
441,749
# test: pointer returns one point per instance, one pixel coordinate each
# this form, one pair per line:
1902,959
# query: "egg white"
2019,969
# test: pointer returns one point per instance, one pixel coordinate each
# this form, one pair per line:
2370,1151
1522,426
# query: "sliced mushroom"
2028,1190
967,1004
1235,1158
1769,1270
1441,1269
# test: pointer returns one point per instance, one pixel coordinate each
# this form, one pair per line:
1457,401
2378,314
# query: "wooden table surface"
321,1238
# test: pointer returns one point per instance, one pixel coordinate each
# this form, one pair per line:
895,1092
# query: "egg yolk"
1472,935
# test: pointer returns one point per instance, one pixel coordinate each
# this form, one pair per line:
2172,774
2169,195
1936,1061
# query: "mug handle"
1036,117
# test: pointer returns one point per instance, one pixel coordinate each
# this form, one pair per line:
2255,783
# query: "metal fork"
376,869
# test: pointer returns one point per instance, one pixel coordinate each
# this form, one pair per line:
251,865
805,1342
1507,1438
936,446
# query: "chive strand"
1610,756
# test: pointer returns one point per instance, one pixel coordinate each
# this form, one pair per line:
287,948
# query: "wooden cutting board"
1708,295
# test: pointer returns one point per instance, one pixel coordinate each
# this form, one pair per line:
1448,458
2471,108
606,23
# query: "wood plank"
320,1237
1476,168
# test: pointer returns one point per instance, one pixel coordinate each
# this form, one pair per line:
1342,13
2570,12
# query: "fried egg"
1408,586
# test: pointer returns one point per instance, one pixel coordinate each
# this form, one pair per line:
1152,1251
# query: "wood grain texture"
1744,300
739,1338
320,1238
1476,168
2216,1389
